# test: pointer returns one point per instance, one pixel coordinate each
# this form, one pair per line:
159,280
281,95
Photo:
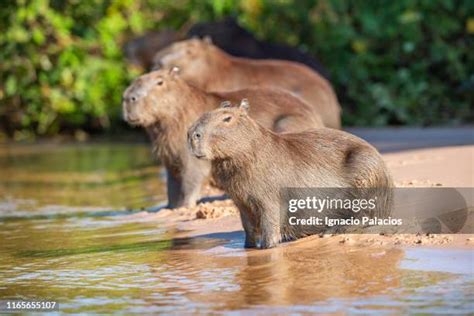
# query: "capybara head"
190,56
152,96
223,132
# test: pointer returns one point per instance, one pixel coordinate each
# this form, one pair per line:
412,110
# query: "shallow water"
65,235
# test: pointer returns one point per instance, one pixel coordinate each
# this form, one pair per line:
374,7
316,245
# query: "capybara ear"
207,39
174,71
226,104
244,105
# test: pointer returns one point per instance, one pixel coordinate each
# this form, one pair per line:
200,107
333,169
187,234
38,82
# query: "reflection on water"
298,274
79,175
98,262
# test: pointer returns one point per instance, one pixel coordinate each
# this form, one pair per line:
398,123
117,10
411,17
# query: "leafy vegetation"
392,62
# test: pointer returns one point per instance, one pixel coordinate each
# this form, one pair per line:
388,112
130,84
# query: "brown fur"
208,67
252,164
166,106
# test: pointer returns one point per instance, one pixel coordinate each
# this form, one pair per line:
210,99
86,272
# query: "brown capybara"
254,166
166,106
206,66
237,41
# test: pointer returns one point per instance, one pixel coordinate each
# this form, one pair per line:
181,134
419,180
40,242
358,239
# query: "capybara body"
206,66
166,106
235,40
252,164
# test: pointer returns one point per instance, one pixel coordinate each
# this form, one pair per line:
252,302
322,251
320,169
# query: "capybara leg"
191,190
194,175
250,240
249,228
173,186
270,230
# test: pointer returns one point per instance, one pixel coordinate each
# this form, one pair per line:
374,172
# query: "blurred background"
64,65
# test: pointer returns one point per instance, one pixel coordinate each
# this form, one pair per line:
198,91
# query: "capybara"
206,66
253,164
166,106
235,40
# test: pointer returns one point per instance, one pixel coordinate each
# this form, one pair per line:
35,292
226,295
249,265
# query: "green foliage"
392,62
62,63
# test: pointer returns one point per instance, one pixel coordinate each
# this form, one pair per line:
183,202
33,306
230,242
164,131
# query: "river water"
66,236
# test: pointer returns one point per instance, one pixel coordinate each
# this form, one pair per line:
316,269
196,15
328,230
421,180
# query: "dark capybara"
166,106
229,36
252,164
207,67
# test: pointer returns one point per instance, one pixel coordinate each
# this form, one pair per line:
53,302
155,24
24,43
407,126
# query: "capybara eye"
227,119
160,82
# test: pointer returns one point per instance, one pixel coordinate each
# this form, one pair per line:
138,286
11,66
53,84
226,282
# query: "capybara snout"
132,101
130,114
141,109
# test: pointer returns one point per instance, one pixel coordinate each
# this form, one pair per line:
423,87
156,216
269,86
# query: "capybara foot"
179,204
269,242
250,243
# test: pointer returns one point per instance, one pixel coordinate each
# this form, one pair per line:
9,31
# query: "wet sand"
429,167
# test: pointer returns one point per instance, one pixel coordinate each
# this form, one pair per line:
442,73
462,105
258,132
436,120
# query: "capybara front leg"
194,175
173,186
270,226
249,227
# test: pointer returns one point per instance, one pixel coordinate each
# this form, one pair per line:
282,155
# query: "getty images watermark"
379,210
327,204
